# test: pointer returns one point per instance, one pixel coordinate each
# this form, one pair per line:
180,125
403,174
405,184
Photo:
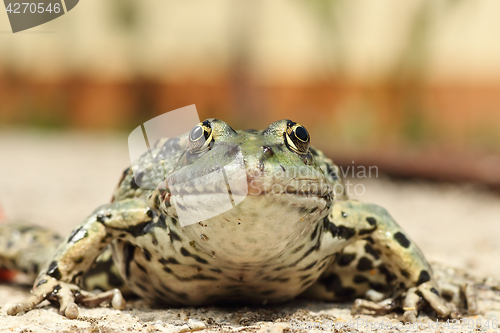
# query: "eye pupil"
301,133
196,133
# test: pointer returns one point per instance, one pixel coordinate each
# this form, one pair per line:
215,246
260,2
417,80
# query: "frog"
290,230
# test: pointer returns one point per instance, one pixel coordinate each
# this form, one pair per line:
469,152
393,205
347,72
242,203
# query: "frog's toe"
47,288
431,295
93,300
365,306
25,306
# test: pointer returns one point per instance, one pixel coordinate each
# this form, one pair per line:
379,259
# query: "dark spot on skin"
34,268
371,220
122,235
358,279
364,264
344,215
340,231
77,235
282,168
199,259
143,288
162,223
405,273
114,280
402,240
168,270
169,260
302,278
268,292
154,240
181,207
78,260
199,277
163,295
215,270
141,229
345,292
128,255
363,232
146,254
303,210
102,218
133,184
307,282
43,281
174,236
333,283
54,271
125,172
297,249
434,291
370,250
423,277
380,287
322,266
389,277
308,252
311,265
369,240
331,172
346,259
345,232
313,235
56,289
174,221
185,252
402,285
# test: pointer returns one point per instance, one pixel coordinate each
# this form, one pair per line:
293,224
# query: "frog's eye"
297,138
200,137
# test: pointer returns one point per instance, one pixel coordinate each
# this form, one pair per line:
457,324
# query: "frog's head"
253,193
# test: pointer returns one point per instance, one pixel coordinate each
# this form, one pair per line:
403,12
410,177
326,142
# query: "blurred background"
412,87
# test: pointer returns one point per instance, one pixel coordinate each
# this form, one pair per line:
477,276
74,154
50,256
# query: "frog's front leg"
58,281
391,252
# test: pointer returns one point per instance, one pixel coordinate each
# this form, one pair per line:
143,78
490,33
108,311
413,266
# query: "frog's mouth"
196,199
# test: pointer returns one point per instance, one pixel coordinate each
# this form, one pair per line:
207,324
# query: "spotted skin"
305,239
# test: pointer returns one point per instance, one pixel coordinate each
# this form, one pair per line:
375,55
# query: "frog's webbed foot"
460,289
67,295
458,297
410,301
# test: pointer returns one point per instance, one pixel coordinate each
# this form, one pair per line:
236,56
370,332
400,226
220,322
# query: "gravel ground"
57,179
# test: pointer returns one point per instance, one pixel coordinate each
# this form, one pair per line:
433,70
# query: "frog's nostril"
268,151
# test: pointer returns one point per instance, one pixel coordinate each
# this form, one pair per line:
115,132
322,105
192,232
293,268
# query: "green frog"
218,215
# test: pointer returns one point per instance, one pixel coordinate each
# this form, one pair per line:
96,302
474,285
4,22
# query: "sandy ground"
56,180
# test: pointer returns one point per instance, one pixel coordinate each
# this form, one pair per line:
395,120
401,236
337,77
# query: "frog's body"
291,231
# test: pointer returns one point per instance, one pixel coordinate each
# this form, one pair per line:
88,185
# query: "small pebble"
196,324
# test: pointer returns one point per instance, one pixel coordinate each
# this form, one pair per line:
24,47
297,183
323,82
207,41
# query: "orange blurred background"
413,86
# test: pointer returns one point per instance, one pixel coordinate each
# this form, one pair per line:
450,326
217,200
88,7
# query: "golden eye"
297,138
200,137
